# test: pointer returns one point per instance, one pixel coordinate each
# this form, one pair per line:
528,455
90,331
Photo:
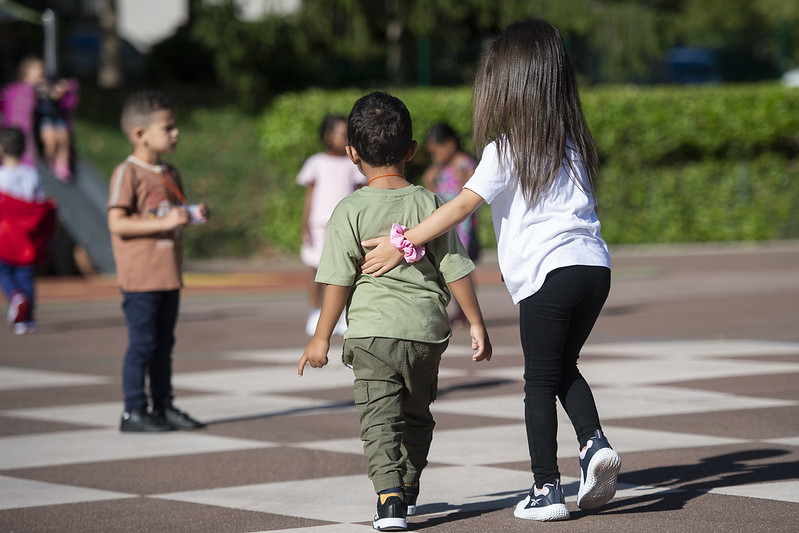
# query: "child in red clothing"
27,220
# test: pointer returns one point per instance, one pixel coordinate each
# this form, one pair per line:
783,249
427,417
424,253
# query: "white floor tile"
651,371
21,378
693,349
206,408
90,446
19,493
783,491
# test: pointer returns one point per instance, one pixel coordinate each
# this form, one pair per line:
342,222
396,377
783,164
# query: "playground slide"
82,211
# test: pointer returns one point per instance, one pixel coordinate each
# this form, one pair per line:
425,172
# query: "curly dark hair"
379,128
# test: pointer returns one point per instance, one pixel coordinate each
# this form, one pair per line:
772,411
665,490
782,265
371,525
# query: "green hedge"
678,164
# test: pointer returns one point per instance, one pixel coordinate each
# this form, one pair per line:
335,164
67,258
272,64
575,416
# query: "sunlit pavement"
694,365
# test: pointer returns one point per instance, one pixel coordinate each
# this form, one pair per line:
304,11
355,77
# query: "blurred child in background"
26,224
451,169
328,177
40,107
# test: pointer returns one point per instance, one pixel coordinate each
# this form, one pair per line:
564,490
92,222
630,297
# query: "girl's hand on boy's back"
315,354
383,258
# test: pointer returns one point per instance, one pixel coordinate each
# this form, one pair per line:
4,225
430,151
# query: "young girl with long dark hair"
537,172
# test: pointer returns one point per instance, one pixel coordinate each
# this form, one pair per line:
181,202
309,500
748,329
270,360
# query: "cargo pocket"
361,392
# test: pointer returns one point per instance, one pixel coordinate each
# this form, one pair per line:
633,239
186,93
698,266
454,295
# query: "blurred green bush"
677,163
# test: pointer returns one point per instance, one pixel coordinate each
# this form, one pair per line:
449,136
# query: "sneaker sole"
550,513
599,486
390,524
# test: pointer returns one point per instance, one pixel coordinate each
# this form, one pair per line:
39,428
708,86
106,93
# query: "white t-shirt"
22,182
333,178
562,230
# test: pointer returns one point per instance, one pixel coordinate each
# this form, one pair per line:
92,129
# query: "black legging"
554,323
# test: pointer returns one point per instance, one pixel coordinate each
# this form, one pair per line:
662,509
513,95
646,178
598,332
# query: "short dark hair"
442,132
329,124
139,108
379,128
12,140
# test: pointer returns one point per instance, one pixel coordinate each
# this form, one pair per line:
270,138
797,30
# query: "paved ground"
694,363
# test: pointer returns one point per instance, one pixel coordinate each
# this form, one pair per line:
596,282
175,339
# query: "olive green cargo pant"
395,383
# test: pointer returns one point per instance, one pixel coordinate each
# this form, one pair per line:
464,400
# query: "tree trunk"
394,44
109,73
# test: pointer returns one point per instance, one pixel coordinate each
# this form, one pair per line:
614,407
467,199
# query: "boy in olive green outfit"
397,324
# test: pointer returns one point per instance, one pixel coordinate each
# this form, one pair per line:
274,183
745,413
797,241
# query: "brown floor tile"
144,514
10,425
767,423
163,475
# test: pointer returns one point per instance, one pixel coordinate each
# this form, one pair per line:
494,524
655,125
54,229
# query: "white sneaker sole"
599,487
390,524
550,513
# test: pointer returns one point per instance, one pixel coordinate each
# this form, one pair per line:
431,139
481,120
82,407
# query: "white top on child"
333,178
561,230
22,182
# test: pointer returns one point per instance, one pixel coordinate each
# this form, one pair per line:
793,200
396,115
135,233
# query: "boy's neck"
9,161
391,177
143,153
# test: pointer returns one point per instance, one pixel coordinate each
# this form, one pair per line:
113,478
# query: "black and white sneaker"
391,513
545,505
599,467
411,494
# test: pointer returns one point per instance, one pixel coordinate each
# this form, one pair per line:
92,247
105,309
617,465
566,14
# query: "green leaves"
678,164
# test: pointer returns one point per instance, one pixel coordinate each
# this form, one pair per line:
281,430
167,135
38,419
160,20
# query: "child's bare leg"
49,139
62,145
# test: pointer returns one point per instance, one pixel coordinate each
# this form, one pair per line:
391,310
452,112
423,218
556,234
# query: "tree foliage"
339,43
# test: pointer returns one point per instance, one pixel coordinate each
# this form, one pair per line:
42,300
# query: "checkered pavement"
479,454
706,419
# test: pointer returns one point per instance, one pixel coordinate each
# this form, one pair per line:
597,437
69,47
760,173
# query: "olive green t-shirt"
409,302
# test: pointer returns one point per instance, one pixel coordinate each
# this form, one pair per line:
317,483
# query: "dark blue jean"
151,319
555,323
18,278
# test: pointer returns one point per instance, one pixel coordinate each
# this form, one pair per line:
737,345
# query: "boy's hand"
177,216
205,211
481,343
315,354
382,259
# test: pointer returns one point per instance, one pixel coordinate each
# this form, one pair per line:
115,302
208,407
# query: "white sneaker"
310,324
599,468
20,328
17,308
546,505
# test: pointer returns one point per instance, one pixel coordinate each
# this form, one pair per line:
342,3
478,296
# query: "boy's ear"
412,150
353,154
136,134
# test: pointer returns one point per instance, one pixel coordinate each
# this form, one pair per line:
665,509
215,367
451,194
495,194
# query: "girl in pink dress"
328,177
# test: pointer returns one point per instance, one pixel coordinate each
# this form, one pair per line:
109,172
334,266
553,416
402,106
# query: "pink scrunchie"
409,251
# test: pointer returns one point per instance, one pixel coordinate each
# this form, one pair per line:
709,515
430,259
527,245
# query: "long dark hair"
525,99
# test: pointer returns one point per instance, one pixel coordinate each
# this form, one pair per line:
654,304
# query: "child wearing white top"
537,172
